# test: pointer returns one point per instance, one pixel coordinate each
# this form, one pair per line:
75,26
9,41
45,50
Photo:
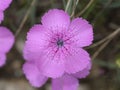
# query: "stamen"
60,43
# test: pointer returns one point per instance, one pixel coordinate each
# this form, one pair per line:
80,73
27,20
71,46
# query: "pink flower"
65,82
1,16
6,42
55,49
4,4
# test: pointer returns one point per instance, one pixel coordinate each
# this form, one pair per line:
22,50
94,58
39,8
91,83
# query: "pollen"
60,43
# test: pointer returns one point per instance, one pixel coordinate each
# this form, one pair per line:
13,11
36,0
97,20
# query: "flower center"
60,43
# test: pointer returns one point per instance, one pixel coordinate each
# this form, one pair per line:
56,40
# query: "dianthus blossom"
6,42
54,49
4,4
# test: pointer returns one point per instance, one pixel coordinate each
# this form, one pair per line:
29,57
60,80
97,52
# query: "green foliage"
103,63
115,4
118,60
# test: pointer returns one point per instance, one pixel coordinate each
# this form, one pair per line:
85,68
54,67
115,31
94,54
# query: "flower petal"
1,16
83,73
36,41
2,59
81,32
56,18
66,82
6,39
33,75
4,4
77,60
51,64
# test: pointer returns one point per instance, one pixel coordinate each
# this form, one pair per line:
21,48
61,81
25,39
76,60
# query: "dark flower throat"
60,43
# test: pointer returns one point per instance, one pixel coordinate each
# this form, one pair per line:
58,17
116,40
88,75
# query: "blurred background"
104,15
